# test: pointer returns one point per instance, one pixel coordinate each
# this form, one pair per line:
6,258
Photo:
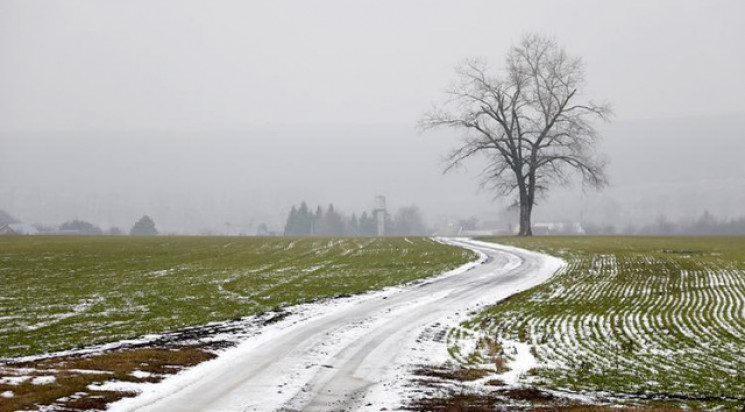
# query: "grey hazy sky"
227,65
200,112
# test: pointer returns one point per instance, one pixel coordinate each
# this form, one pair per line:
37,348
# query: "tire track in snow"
352,356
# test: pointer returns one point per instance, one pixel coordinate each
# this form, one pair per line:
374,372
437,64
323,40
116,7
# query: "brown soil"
73,374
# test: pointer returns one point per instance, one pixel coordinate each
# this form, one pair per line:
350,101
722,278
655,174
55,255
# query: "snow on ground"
361,349
14,380
141,374
117,386
352,353
667,325
521,361
314,361
43,380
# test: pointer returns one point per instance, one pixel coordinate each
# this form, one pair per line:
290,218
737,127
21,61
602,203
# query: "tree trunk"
526,209
525,226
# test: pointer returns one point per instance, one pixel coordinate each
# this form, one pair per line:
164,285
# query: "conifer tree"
291,227
305,220
368,226
353,228
317,222
333,222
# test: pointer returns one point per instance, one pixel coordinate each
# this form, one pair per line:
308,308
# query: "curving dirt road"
353,356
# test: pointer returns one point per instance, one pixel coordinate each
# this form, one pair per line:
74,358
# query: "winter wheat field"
558,323
628,320
70,306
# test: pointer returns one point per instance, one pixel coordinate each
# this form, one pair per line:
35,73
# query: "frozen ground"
352,354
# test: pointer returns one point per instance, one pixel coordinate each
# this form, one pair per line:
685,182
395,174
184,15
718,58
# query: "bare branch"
531,123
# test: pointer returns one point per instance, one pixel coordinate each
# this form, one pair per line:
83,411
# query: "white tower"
379,213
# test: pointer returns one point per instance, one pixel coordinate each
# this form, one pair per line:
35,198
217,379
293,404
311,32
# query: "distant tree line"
145,226
706,224
303,221
80,227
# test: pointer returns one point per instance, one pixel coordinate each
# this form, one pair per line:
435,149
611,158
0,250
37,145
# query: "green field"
65,292
639,317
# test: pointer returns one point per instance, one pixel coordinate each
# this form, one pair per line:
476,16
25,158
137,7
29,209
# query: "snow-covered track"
350,356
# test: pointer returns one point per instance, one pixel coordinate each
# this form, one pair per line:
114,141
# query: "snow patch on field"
14,380
158,273
521,361
117,386
141,374
75,310
44,380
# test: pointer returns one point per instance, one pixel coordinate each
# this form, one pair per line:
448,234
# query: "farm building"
558,228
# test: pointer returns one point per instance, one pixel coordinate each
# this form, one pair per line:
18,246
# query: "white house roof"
23,228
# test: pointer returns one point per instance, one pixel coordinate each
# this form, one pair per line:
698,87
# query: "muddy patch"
454,389
92,381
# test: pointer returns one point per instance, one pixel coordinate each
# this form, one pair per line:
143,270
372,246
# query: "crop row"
64,292
646,318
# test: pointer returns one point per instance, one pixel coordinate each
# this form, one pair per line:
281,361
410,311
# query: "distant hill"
6,218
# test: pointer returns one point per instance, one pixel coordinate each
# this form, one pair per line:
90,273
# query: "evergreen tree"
353,227
318,225
291,227
305,220
368,225
333,222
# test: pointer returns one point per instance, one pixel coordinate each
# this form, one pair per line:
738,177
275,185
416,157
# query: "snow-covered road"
353,355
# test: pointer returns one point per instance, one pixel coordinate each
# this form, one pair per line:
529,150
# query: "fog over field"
204,113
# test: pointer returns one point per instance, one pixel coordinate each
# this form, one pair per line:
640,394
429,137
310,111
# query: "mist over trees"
407,221
114,231
706,224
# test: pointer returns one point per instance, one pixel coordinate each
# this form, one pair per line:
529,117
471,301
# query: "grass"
60,293
647,318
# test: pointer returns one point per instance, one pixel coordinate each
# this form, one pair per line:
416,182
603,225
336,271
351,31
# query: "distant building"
558,228
5,230
483,232
18,229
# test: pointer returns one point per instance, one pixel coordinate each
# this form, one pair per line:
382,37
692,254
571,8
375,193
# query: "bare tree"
530,122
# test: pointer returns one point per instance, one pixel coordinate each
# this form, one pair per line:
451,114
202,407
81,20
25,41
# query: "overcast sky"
87,85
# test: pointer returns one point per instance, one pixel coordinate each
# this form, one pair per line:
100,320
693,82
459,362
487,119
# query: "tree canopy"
530,121
144,227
